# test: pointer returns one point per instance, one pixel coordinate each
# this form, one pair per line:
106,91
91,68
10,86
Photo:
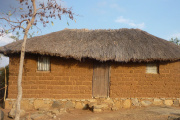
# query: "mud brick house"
107,69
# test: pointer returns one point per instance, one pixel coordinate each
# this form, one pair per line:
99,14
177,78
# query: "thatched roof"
122,45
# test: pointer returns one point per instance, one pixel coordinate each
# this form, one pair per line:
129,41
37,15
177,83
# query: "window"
152,68
43,63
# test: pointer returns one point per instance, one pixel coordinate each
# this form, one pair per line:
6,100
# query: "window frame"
42,62
149,68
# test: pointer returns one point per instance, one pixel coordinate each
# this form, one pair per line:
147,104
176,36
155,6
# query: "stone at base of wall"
101,103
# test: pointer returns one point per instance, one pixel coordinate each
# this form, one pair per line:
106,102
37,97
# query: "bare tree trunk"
19,96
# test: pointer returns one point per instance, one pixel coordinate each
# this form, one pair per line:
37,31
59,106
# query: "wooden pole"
5,85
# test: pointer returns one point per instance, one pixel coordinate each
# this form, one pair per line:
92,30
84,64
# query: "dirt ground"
143,113
148,113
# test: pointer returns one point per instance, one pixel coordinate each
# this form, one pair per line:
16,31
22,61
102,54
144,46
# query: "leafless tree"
30,14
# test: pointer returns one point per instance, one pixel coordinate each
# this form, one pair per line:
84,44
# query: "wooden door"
101,80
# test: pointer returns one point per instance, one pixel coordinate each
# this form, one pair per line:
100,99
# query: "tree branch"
15,21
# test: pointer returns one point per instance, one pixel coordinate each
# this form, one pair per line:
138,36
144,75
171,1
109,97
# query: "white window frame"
43,63
152,68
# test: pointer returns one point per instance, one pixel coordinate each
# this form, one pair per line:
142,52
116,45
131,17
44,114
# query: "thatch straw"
122,45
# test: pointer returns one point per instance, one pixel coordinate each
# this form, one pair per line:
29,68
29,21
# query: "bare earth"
143,113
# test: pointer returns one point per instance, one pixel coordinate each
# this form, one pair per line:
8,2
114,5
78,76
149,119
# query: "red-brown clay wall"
131,80
67,79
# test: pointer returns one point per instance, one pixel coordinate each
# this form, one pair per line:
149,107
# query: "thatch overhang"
121,45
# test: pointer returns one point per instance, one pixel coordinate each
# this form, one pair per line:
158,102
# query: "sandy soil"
144,113
149,113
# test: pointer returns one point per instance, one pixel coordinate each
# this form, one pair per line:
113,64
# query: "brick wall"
67,79
131,80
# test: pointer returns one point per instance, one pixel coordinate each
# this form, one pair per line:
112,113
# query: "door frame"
109,79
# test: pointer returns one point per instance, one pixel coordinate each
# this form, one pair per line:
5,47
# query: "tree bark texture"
19,85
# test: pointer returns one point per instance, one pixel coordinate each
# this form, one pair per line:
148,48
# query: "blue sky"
157,17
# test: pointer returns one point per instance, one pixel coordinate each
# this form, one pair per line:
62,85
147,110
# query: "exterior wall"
131,80
66,79
70,82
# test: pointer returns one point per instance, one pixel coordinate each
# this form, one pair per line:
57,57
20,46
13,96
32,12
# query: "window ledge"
43,71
